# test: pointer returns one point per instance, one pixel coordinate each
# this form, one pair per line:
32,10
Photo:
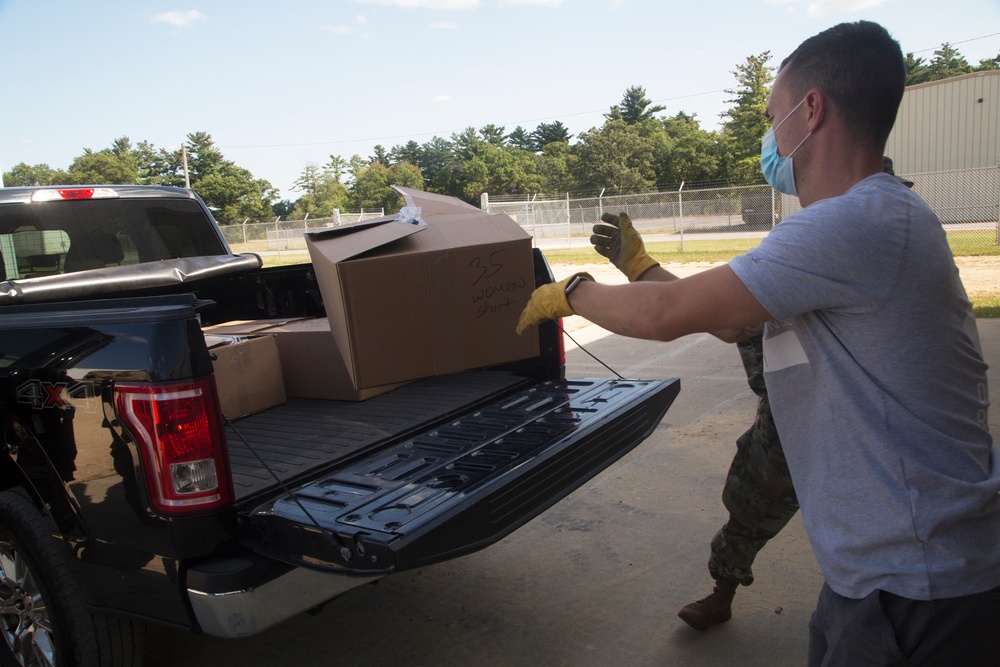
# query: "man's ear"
815,103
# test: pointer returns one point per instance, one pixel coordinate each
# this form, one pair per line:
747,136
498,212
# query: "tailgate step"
462,485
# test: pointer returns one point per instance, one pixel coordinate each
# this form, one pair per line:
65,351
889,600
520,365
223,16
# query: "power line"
964,41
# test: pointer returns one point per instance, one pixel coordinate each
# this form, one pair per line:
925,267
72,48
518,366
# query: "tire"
44,620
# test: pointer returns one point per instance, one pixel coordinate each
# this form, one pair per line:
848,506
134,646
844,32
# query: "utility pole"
184,161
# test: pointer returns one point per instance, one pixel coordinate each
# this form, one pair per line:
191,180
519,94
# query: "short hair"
857,65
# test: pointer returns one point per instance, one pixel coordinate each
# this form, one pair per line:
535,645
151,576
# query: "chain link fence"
967,202
282,235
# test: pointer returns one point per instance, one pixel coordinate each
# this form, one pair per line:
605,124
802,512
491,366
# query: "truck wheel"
44,620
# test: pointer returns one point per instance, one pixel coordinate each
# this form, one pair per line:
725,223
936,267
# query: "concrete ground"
598,579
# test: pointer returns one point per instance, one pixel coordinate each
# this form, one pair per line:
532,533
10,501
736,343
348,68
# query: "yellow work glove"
616,239
548,302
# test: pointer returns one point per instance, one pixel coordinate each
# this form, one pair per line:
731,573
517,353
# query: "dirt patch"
980,275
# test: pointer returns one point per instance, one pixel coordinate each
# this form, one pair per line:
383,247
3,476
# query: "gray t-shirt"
878,389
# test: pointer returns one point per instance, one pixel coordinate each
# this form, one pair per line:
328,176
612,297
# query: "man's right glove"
548,302
617,239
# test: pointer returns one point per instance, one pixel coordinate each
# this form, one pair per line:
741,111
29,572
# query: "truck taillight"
178,431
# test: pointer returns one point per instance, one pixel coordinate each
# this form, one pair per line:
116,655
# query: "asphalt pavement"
596,580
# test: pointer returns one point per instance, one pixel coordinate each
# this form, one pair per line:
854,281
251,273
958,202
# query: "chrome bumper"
245,612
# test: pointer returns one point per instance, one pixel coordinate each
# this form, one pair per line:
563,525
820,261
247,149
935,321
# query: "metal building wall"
948,124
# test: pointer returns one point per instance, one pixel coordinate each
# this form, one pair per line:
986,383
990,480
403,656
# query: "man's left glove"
548,302
617,239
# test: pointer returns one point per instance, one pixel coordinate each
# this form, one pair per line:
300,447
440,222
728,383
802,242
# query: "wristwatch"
571,285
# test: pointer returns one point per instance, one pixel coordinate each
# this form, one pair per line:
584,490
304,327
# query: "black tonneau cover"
113,280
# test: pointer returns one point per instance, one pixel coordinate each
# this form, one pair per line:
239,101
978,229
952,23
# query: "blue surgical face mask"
778,171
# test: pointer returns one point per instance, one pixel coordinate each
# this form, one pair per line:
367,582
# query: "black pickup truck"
126,497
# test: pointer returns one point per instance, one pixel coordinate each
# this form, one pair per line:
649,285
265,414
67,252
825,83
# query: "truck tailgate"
462,485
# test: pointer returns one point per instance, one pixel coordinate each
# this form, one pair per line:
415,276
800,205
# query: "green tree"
916,70
336,166
556,167
521,138
372,182
493,134
117,165
309,178
234,194
498,170
635,107
989,63
948,62
203,158
437,163
746,122
687,152
282,208
617,157
22,174
158,166
380,155
467,143
323,193
406,175
546,133
409,152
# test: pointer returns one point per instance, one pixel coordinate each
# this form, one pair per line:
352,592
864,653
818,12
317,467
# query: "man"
872,362
758,492
887,168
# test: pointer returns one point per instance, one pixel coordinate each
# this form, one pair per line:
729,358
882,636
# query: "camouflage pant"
758,492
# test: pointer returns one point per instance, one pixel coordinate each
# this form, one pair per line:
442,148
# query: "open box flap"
354,240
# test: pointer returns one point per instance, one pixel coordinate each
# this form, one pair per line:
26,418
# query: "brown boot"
716,608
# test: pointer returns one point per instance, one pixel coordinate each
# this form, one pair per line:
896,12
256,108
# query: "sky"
281,84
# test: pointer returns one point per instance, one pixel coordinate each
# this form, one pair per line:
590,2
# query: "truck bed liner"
303,435
462,484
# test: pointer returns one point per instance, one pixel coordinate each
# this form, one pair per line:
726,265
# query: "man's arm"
714,301
731,335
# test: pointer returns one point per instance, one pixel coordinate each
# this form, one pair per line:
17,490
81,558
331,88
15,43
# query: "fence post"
680,210
569,221
774,212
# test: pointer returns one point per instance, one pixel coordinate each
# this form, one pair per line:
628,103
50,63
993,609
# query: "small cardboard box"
311,365
247,373
407,301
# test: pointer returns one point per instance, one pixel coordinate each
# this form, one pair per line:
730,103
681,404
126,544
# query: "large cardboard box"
247,373
407,301
311,366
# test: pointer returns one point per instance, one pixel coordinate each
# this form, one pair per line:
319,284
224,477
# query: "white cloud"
828,7
338,29
617,4
549,3
441,98
179,19
423,4
444,25
361,19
